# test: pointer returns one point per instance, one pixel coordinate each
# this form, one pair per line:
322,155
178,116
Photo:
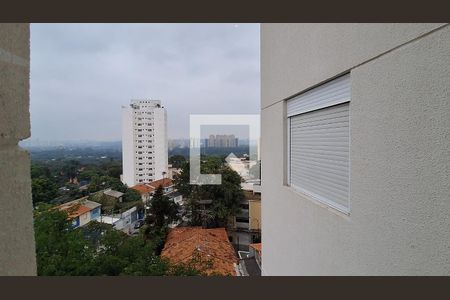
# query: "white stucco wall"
128,151
399,222
160,143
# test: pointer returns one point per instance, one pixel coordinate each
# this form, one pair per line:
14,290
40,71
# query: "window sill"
340,211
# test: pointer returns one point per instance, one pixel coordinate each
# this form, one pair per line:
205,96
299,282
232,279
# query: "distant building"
118,196
172,172
144,142
221,141
183,243
245,227
121,221
81,211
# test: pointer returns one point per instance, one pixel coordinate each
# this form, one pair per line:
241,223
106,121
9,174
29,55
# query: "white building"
144,142
355,149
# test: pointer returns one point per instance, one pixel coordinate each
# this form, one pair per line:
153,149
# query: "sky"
81,75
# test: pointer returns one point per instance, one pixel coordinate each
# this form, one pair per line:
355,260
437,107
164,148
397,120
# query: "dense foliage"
163,211
225,197
177,161
61,181
98,249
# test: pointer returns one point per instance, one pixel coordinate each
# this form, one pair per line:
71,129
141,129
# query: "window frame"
304,192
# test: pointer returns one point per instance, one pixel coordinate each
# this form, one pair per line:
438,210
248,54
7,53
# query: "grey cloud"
81,74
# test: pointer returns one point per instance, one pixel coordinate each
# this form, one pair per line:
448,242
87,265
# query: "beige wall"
399,222
17,250
254,214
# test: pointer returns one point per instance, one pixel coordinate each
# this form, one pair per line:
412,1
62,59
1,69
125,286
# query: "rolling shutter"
320,142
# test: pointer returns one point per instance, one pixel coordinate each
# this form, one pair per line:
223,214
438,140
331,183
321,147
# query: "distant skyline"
81,75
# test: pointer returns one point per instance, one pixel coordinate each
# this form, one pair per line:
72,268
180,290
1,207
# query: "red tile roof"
184,242
165,182
75,209
257,247
143,188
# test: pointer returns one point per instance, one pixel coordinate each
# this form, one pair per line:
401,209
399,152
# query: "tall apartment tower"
144,141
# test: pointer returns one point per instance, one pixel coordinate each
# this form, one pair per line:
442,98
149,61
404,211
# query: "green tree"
162,210
225,197
70,169
102,182
39,171
60,250
131,195
99,249
114,171
43,190
177,161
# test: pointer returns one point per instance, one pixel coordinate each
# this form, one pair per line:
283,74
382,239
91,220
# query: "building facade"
144,142
81,211
354,144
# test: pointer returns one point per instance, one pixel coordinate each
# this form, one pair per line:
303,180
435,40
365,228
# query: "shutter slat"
331,167
322,189
323,174
319,143
331,93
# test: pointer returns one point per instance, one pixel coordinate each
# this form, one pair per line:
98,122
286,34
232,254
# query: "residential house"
256,252
250,261
144,190
148,189
254,213
81,211
172,171
245,227
185,243
121,221
116,195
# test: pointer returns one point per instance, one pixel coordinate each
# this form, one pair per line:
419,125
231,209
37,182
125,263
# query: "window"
319,143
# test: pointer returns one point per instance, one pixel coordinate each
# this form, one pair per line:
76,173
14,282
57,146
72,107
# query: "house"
148,189
256,252
166,183
121,221
250,261
172,171
81,211
144,190
354,141
245,227
116,195
184,243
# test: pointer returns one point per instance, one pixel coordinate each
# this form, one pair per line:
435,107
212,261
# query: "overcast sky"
81,75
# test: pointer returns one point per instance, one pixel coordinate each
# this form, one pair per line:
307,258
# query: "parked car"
138,224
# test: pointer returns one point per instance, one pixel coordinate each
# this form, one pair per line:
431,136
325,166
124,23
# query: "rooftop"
165,182
184,242
78,207
113,193
143,188
257,247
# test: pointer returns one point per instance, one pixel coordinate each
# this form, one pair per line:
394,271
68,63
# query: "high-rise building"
144,141
222,141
